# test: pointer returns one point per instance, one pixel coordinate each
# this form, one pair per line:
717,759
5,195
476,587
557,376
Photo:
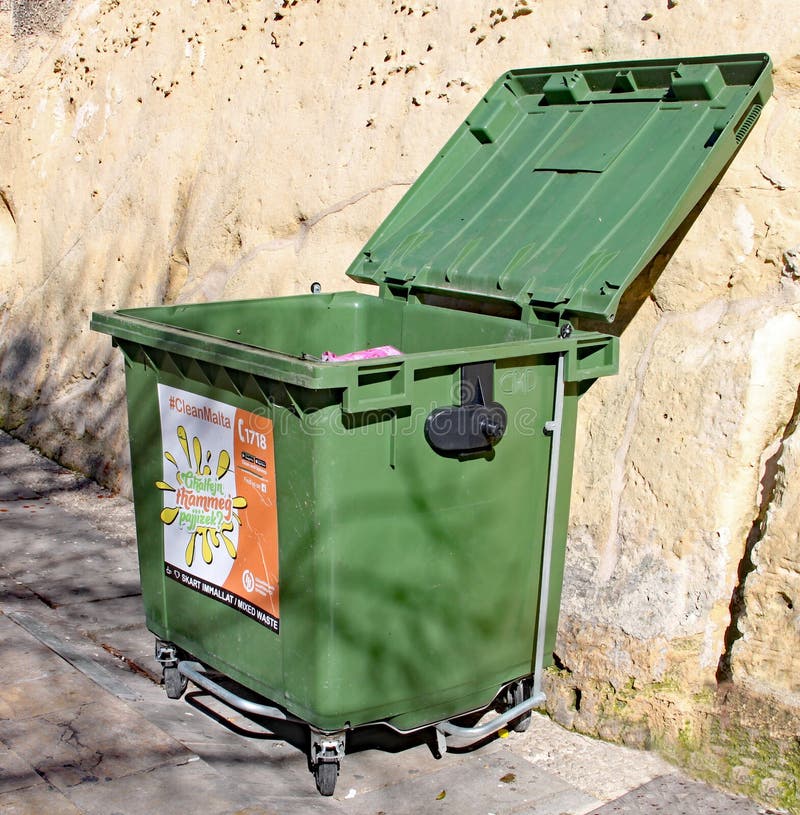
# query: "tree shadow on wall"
31,17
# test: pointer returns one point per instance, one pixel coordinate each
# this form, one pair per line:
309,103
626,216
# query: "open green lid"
563,183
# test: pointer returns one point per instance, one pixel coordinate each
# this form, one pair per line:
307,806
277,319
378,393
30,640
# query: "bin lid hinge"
393,291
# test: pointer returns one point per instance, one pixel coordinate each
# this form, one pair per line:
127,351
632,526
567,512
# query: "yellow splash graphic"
202,504
223,463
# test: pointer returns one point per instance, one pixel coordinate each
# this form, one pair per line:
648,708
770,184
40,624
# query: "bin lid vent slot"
563,184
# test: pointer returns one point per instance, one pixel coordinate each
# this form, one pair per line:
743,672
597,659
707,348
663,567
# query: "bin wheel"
519,693
325,774
174,683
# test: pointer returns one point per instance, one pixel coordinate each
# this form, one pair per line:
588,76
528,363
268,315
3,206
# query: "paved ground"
86,728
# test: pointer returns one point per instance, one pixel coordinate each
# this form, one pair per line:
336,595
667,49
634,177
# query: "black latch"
477,424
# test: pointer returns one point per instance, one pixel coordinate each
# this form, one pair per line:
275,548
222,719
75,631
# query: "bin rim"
155,338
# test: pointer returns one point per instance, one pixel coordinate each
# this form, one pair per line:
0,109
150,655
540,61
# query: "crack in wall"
772,177
738,605
354,199
305,225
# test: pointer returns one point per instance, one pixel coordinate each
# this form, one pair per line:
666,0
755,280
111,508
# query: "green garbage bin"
382,539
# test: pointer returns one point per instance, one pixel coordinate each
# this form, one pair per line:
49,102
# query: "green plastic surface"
563,183
409,582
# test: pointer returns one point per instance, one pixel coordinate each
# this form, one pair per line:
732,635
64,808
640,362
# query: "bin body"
298,528
407,582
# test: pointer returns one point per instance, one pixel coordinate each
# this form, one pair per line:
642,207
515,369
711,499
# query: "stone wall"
168,153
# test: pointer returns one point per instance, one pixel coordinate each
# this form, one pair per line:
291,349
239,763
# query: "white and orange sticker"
220,515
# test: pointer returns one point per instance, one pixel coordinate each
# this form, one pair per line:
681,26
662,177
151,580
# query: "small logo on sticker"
248,581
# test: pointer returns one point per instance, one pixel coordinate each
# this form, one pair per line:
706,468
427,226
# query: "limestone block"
767,657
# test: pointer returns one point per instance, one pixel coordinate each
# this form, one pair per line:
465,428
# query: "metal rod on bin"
194,672
553,427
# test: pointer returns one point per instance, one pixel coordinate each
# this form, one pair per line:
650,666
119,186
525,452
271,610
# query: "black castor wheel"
174,683
518,694
325,774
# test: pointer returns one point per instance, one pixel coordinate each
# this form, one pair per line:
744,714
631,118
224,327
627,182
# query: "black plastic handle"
477,424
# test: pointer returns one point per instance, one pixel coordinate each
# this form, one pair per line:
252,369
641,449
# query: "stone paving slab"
49,547
67,651
40,800
501,783
604,770
22,656
31,697
677,795
190,787
94,741
104,618
374,770
111,516
12,490
133,646
16,773
65,727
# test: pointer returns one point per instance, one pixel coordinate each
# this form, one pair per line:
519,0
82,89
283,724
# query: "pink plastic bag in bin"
368,353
